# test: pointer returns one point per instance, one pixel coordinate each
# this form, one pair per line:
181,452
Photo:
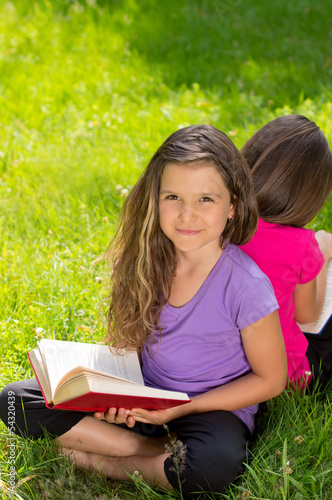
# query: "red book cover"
101,402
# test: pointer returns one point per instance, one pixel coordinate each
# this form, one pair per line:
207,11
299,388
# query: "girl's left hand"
157,417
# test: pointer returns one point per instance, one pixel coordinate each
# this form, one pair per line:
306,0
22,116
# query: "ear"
232,211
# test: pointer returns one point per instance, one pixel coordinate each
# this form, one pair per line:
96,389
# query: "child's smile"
194,205
188,232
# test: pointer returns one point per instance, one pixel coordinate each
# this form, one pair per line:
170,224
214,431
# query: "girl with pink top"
200,313
291,166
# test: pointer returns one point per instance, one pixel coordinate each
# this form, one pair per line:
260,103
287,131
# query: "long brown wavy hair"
291,165
142,259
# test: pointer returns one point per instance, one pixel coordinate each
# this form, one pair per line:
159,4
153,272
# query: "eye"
206,199
172,197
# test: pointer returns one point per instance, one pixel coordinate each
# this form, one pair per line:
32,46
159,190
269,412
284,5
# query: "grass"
88,91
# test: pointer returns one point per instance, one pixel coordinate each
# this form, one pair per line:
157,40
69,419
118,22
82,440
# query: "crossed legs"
115,451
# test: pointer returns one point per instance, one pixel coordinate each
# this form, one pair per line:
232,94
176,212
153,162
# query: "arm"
309,297
264,347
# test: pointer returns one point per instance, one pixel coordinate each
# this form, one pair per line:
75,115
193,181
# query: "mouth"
188,232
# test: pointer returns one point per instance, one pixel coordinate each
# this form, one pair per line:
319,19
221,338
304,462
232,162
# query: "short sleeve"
312,262
257,301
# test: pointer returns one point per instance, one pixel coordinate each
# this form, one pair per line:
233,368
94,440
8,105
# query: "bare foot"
151,468
81,459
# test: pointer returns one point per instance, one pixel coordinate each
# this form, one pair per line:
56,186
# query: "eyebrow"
215,195
171,191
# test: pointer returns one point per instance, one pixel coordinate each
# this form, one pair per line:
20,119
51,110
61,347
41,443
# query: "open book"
316,326
91,377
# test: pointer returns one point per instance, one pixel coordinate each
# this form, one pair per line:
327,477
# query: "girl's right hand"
116,416
324,240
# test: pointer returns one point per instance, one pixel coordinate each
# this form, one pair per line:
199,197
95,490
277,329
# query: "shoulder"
273,241
296,242
269,229
242,264
286,254
245,273
287,233
250,290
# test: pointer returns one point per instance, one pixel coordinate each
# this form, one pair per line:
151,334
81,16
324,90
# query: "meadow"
88,91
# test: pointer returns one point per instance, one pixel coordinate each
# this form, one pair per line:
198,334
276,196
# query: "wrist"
183,410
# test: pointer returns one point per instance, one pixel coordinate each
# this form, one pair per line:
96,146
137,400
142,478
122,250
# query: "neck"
187,262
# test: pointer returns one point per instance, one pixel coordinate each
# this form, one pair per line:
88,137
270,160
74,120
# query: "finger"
120,416
99,415
117,415
110,415
141,412
144,420
111,412
144,417
130,421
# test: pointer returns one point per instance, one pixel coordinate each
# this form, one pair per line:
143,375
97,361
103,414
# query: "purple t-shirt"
200,347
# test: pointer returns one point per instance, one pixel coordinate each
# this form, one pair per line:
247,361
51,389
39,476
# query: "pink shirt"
288,256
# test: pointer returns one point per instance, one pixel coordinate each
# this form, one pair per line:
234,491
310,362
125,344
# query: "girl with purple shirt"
200,313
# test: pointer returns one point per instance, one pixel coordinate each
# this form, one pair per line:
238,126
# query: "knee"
14,400
210,470
218,468
7,402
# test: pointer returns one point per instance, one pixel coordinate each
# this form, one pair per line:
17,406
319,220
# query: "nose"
187,212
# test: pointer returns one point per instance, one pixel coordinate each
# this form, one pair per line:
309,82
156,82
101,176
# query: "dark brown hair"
291,165
142,259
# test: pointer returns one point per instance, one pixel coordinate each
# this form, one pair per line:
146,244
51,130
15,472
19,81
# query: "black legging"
319,354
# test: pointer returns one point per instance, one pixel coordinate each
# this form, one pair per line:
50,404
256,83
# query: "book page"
317,325
37,363
61,356
85,383
99,384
